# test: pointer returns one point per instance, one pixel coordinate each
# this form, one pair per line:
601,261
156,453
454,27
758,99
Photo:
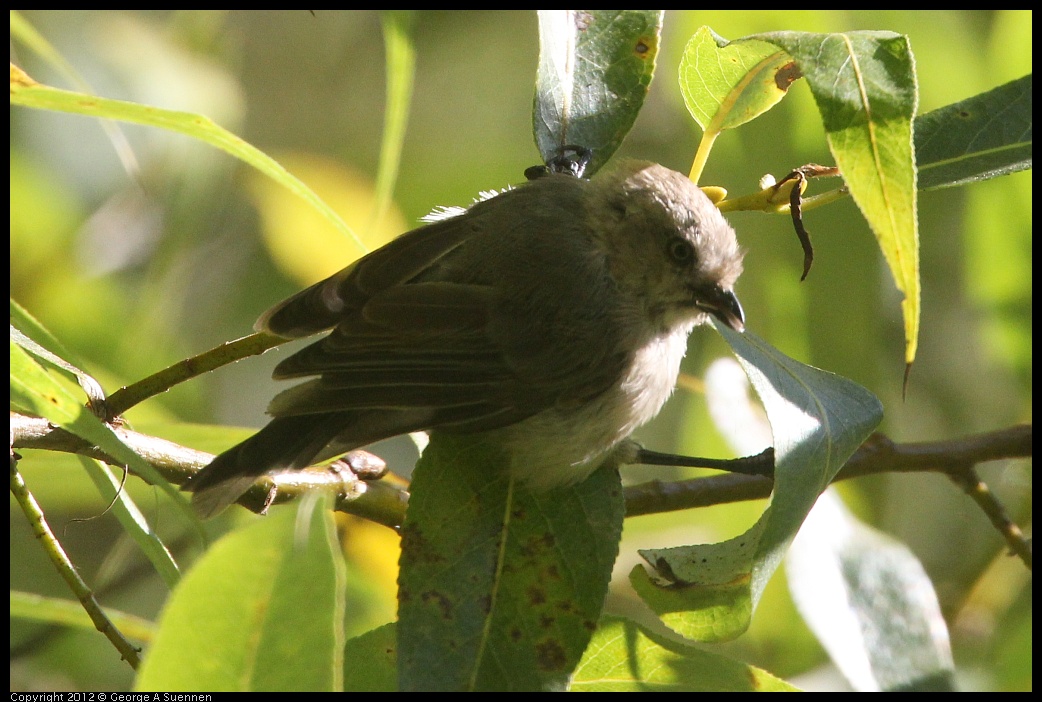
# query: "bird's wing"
324,304
467,322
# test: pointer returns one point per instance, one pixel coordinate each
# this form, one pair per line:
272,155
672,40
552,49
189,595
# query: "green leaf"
708,592
499,588
28,93
24,32
401,69
595,67
624,657
45,347
262,610
985,136
371,661
865,87
36,391
870,603
728,84
132,520
27,35
69,613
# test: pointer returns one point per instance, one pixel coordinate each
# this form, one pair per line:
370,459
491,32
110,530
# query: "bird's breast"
562,446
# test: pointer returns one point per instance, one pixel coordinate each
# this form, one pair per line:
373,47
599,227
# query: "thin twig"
67,570
157,383
978,491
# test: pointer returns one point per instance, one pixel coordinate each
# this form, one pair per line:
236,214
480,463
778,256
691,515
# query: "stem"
53,548
825,198
979,492
230,352
383,501
702,155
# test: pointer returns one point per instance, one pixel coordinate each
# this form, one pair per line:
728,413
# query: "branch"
384,501
381,501
954,458
990,505
67,570
157,383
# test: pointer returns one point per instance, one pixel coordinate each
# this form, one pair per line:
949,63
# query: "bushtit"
552,317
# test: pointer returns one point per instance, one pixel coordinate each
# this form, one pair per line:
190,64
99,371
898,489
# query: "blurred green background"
136,262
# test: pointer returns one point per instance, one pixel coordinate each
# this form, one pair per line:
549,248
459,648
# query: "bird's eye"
680,251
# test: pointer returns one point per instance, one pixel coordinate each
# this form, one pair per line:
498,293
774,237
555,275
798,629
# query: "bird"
551,318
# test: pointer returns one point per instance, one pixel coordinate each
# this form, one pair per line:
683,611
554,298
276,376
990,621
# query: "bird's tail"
285,443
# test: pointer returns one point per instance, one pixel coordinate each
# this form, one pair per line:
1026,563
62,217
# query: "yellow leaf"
303,243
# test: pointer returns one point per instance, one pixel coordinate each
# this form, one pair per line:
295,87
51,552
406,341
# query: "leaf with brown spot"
525,574
595,67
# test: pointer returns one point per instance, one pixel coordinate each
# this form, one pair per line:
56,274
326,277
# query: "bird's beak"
724,305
